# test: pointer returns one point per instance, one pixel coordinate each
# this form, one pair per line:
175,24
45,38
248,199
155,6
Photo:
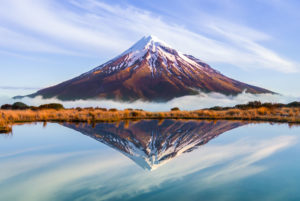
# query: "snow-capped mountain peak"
148,70
158,54
146,43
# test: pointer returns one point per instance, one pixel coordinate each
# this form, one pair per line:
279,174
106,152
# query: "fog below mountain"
203,100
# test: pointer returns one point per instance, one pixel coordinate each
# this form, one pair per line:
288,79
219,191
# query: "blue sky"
44,42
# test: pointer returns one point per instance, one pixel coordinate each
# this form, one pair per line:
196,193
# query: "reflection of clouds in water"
22,151
186,102
18,165
208,157
117,176
246,165
43,175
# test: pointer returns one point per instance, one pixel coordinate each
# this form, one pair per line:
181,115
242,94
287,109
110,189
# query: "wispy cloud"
92,27
18,88
253,53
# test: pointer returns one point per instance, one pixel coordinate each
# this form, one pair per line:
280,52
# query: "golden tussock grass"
90,115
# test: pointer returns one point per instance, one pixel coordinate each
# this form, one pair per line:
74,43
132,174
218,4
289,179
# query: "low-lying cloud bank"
202,100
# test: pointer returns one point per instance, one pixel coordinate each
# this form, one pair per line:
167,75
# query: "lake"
150,160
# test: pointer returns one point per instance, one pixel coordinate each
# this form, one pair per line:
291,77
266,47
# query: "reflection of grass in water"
92,115
4,126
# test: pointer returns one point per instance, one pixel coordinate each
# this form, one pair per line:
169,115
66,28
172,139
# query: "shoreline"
289,115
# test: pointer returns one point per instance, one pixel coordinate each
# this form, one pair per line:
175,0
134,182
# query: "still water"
150,160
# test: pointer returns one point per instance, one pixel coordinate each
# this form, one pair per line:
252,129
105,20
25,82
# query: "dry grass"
9,117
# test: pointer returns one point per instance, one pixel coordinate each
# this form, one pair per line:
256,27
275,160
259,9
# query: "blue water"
72,162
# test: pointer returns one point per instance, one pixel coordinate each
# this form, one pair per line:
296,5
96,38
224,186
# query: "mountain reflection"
152,143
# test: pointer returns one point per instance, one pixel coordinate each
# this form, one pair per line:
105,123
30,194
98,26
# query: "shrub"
258,104
102,109
19,106
268,105
294,104
89,108
6,107
34,108
175,109
134,114
78,108
113,110
139,110
218,108
250,105
55,106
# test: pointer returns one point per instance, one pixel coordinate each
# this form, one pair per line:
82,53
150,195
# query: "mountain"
149,70
152,143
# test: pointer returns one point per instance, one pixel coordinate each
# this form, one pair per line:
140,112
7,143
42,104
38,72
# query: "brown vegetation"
175,109
289,113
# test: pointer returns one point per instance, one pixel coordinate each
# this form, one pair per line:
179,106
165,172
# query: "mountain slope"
149,70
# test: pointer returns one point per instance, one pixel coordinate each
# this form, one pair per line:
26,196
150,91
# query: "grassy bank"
270,113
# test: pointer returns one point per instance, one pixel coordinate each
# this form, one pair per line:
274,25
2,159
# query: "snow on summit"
149,42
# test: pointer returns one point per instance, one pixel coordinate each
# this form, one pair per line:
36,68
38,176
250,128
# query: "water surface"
150,160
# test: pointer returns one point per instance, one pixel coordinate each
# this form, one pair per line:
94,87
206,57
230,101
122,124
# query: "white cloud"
92,28
193,102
